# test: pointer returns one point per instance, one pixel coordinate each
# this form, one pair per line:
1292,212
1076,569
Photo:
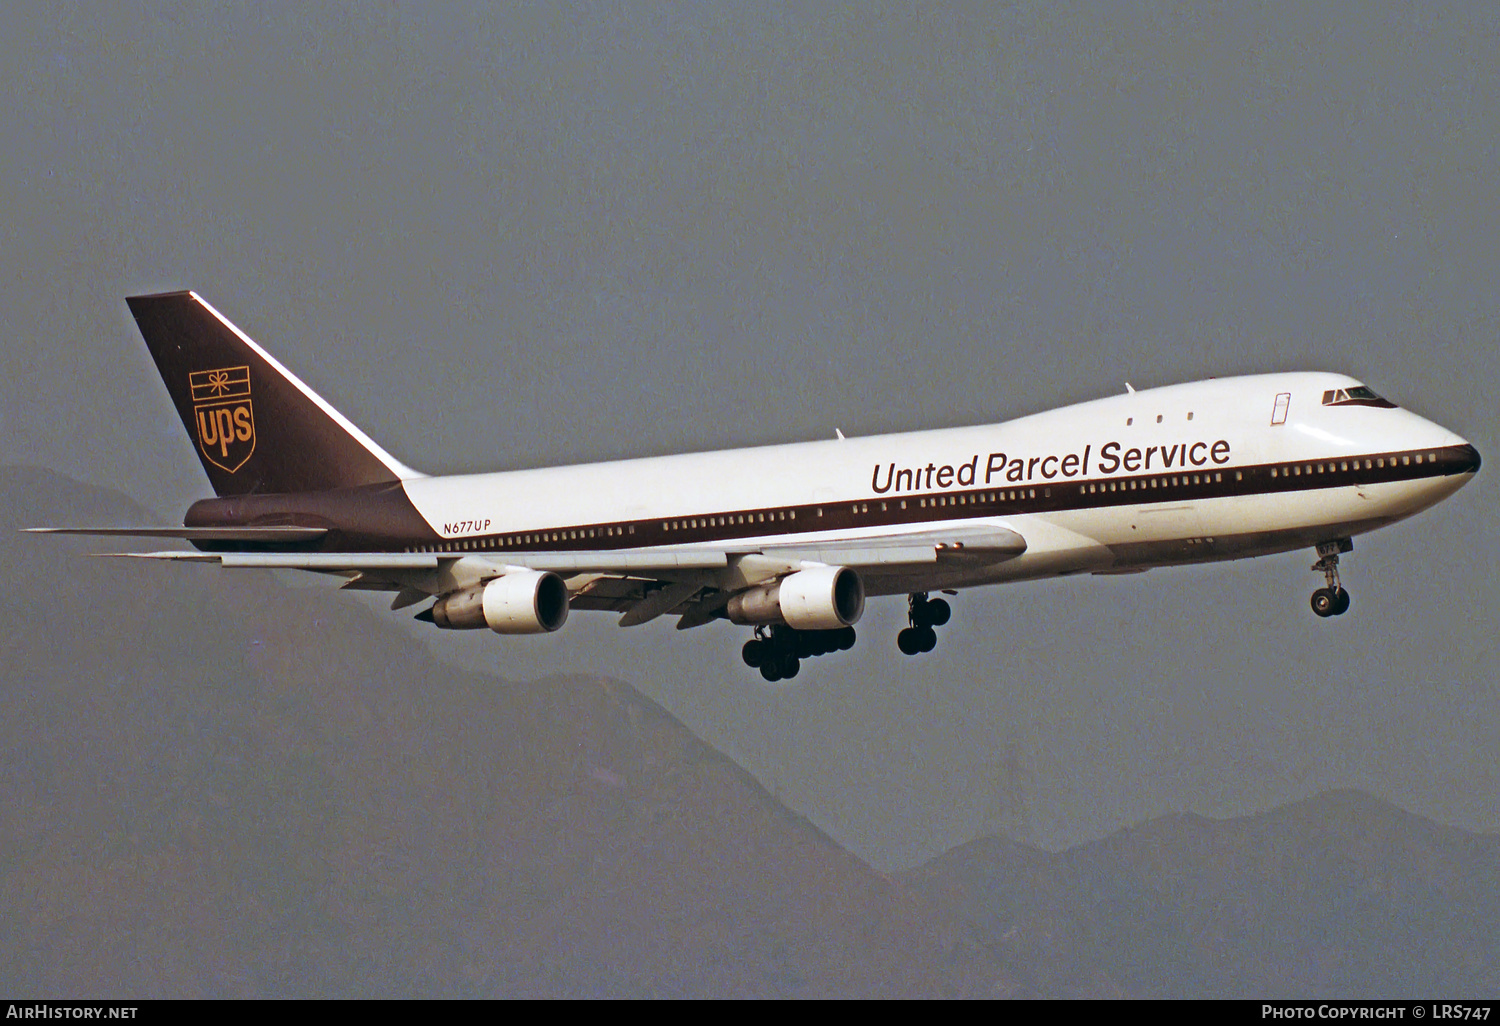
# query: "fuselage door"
1283,402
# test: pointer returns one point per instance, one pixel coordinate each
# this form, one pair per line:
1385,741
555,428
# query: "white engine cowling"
525,602
820,598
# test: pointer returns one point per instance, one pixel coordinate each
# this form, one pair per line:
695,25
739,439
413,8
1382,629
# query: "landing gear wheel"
936,612
1324,602
754,653
769,672
845,639
923,614
788,666
1332,600
926,638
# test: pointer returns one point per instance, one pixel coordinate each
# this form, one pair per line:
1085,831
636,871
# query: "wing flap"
632,561
978,544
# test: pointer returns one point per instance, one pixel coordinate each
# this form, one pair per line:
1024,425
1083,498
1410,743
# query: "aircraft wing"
640,583
977,544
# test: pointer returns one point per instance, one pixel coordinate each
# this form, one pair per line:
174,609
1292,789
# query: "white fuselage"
1216,469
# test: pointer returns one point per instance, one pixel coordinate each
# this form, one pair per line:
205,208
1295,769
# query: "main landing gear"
924,614
778,651
1332,600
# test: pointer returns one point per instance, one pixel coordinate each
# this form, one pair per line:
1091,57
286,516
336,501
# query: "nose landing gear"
924,614
1332,600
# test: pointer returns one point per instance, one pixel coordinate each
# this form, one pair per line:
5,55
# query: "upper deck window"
1359,395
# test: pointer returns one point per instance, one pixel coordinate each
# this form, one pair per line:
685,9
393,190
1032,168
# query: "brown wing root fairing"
368,519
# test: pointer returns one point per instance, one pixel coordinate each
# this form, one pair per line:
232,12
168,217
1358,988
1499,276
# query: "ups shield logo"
223,415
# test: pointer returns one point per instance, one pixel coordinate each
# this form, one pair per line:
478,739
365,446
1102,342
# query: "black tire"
927,639
1324,602
907,641
845,639
769,672
806,644
1341,602
754,653
788,667
936,613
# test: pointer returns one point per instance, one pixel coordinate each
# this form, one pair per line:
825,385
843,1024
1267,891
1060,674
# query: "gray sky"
554,234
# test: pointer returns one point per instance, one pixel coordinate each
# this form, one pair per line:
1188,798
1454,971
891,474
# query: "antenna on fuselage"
1130,388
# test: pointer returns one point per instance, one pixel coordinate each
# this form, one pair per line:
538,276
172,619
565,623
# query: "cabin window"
1190,415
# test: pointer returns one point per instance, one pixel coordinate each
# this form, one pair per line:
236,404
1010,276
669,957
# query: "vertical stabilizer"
256,426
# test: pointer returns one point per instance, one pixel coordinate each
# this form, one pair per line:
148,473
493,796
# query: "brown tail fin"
256,426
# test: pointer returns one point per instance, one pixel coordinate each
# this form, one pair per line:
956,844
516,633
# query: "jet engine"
820,598
526,602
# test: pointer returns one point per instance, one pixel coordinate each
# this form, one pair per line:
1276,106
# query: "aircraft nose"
1468,459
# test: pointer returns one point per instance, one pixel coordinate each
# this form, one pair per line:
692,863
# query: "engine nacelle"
525,602
820,598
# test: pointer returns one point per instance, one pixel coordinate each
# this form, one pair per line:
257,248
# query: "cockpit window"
1359,395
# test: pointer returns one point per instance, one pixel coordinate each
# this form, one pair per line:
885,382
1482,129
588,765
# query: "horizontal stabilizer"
241,534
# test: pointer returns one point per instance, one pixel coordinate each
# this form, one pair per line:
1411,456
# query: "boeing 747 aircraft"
789,539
